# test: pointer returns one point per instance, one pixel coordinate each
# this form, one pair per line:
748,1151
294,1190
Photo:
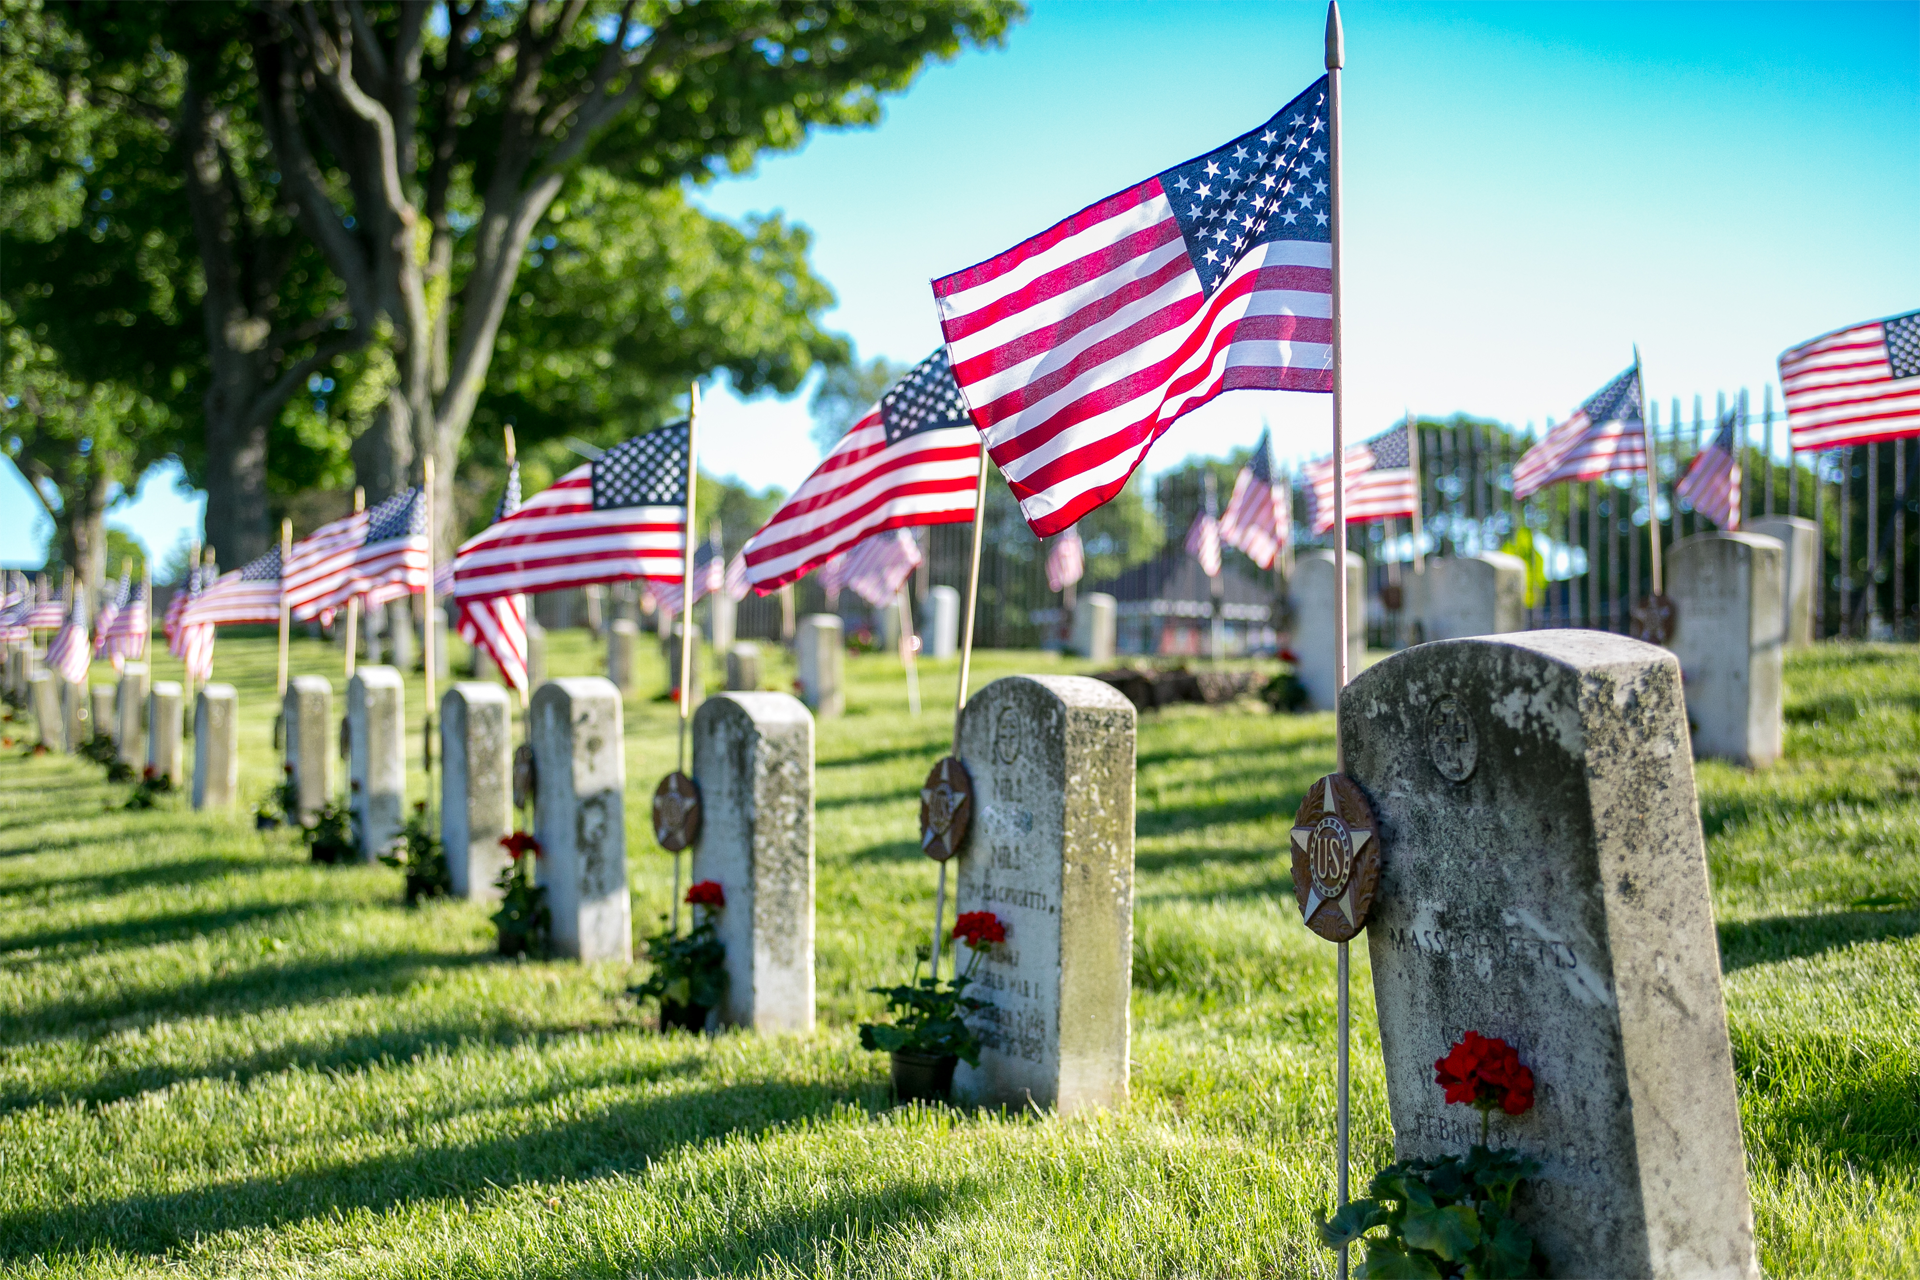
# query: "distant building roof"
1174,586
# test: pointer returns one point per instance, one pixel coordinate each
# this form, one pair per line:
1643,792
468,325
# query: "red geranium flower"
707,893
519,845
1485,1073
979,929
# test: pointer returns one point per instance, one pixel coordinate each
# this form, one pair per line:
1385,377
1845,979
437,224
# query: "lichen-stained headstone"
1730,638
476,786
1313,618
102,720
821,648
377,757
165,751
1545,882
1050,853
623,643
47,712
1457,597
216,747
307,717
130,715
753,759
580,819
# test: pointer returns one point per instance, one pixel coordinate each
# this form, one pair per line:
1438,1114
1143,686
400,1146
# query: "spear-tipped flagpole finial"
1336,39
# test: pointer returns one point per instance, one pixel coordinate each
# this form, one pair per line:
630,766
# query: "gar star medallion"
676,812
1336,858
946,806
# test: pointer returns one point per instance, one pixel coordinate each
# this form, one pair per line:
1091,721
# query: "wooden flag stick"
286,554
520,601
426,627
686,594
1336,59
353,602
966,670
1413,457
906,651
1653,483
186,676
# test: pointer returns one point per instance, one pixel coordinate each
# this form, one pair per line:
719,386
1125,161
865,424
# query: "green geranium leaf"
1351,1222
1449,1234
1509,1251
1385,1261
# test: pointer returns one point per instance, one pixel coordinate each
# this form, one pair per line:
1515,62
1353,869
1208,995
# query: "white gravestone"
216,747
1801,539
940,623
536,654
377,757
400,633
753,759
1461,596
1729,634
476,786
47,712
743,667
623,647
307,721
102,719
670,657
75,712
580,778
166,754
1096,619
822,651
130,715
1050,853
1313,619
1544,881
722,614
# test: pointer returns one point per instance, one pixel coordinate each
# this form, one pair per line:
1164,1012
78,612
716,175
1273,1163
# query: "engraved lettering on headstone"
1450,739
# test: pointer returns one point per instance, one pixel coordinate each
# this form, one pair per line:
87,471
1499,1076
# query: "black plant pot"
683,1017
926,1077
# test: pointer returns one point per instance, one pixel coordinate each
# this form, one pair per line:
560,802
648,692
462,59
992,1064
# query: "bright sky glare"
1531,190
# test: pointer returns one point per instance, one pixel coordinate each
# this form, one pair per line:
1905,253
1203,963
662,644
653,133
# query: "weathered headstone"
400,638
580,777
373,630
743,667
377,763
753,759
102,720
1461,596
940,625
47,712
166,753
536,654
476,785
1729,634
130,714
307,722
442,662
670,637
1050,853
1313,619
722,614
75,712
1801,540
822,652
595,600
1096,619
1544,882
623,647
216,747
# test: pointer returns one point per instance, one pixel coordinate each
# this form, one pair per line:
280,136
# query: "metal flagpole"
1653,489
353,602
906,651
426,628
966,668
1336,59
1419,493
686,614
286,554
186,675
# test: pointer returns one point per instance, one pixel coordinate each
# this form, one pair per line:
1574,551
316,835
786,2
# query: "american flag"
46,614
1066,559
709,574
70,654
914,459
621,516
736,582
833,578
125,638
250,593
876,569
1203,537
1380,481
497,624
13,617
1854,386
388,558
1712,483
1604,436
1082,346
110,607
196,582
1259,518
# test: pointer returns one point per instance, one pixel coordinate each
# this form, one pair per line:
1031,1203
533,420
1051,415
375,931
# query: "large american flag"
621,516
1080,347
877,568
388,559
497,624
1712,483
250,593
1854,386
198,579
736,580
1259,516
1066,559
1604,436
913,459
1380,481
69,653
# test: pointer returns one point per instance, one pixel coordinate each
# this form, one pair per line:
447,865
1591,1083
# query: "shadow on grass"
624,1137
185,871
1776,938
116,935
1855,1104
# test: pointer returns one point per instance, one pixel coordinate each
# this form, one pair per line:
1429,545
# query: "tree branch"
268,404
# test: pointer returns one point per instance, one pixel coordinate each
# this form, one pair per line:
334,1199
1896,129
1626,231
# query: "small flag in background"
70,654
1259,520
1712,483
46,615
1080,347
914,459
1066,559
250,593
621,516
1604,436
498,624
709,574
876,569
126,639
1380,481
736,582
1203,538
1854,386
110,608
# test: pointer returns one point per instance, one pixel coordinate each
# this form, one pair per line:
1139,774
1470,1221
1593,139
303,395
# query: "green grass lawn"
217,1059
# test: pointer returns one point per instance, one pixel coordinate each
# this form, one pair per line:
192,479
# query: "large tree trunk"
237,519
86,531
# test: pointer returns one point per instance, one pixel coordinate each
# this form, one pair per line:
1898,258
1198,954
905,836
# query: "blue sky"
1531,189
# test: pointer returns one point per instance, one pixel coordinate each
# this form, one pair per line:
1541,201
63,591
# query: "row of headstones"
1741,600
145,722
